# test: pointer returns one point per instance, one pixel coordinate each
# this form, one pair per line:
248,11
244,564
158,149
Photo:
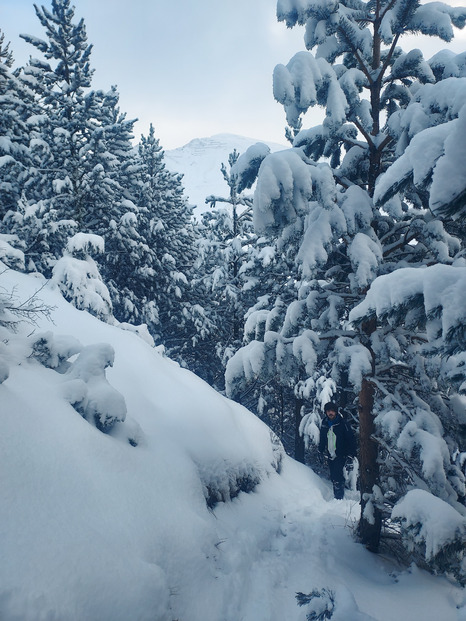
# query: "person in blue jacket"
337,443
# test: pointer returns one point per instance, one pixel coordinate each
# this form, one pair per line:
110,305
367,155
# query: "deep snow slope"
115,527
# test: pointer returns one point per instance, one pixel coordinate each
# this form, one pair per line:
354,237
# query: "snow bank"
117,526
94,525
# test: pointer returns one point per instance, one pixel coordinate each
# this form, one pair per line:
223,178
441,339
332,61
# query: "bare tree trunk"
370,525
282,414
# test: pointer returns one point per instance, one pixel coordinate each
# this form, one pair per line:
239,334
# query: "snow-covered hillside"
200,160
116,526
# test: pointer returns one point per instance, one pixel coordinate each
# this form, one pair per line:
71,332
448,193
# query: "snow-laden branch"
438,291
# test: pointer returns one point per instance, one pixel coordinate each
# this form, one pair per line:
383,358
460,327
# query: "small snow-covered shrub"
81,284
88,390
53,351
129,432
222,481
78,278
435,531
85,384
321,604
338,605
105,405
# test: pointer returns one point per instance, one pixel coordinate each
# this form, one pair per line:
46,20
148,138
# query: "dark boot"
339,489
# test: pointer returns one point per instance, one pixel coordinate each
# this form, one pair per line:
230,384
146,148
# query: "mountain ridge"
200,160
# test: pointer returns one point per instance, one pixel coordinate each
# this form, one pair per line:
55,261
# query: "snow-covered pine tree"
421,415
16,107
109,156
86,178
220,286
320,194
80,143
58,131
264,373
151,251
77,276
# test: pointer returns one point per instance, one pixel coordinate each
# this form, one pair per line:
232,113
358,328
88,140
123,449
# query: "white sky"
192,68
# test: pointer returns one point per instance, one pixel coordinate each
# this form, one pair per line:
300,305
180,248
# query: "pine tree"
222,289
85,177
261,374
81,143
151,251
343,213
16,107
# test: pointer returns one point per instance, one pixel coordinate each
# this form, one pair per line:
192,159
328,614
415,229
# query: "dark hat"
331,406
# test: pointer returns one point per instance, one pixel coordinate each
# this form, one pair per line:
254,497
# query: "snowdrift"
91,521
123,483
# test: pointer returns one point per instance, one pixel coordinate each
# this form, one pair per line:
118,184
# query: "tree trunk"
369,526
298,439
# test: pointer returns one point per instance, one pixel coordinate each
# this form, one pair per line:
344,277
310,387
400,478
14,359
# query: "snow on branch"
244,367
305,82
435,157
412,64
437,290
448,189
246,167
284,187
436,19
294,12
355,357
435,527
85,243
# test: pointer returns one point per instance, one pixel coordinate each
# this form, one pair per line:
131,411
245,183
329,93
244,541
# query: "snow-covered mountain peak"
200,160
223,142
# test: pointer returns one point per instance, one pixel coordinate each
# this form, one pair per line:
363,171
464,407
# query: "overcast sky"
193,68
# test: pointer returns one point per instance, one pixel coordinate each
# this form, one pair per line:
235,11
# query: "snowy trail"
306,543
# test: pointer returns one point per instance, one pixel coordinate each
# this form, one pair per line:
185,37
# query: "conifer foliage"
151,250
82,143
15,99
71,174
224,288
360,216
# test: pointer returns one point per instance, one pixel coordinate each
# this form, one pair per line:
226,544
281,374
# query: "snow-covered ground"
200,160
115,527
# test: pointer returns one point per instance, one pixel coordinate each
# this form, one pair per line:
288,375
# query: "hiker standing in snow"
338,444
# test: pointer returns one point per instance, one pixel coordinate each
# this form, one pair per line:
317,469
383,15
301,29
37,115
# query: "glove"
324,456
